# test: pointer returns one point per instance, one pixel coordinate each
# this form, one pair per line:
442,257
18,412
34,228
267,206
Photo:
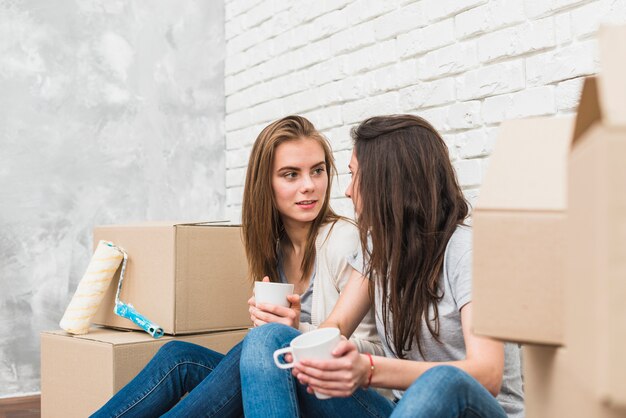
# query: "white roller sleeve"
91,288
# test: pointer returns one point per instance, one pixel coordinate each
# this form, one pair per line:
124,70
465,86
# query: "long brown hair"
411,204
262,225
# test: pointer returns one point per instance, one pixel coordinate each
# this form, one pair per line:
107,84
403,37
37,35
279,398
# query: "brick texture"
465,65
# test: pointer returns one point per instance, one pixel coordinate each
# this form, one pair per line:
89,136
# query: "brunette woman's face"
299,180
353,188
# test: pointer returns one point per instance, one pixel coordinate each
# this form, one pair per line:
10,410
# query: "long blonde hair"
262,225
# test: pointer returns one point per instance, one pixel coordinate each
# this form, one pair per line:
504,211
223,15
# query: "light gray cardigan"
334,243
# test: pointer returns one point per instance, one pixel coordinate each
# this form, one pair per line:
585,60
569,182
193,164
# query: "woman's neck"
297,235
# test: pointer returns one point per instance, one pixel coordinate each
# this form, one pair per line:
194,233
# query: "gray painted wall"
110,112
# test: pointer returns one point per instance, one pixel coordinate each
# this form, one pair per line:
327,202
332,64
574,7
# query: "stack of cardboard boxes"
550,248
191,279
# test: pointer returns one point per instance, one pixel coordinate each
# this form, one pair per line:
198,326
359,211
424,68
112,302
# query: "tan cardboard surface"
589,111
518,228
518,177
61,391
518,270
186,278
552,390
596,290
80,373
148,283
212,289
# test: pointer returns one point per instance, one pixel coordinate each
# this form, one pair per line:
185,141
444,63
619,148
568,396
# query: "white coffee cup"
313,345
273,293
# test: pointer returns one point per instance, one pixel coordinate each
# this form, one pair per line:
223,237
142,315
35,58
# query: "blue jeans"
210,380
442,391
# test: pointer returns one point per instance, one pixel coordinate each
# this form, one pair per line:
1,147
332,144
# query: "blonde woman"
291,235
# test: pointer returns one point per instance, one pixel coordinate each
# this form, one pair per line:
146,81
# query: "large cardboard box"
80,373
596,289
519,231
552,389
187,278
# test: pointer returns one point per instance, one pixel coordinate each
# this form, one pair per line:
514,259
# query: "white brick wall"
465,65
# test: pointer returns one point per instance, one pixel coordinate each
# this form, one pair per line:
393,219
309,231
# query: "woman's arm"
338,280
341,376
352,305
484,361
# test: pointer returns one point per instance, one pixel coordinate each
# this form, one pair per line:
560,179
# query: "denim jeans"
210,380
443,391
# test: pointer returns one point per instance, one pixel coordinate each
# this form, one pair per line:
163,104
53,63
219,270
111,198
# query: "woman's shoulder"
460,244
339,234
343,226
462,235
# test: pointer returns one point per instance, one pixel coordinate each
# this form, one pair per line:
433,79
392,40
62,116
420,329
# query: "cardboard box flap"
225,223
612,81
589,111
110,336
161,224
527,170
158,224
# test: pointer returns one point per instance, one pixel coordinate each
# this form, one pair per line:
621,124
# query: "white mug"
313,345
273,293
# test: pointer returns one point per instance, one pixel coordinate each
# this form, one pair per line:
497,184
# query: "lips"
306,202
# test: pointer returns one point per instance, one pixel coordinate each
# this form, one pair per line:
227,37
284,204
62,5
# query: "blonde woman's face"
299,180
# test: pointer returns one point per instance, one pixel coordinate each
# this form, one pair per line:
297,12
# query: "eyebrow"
298,168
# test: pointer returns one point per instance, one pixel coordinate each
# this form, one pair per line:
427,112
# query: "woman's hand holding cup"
317,346
338,377
262,311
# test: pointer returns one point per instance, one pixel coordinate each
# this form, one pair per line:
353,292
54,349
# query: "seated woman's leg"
447,391
174,370
217,395
362,403
267,391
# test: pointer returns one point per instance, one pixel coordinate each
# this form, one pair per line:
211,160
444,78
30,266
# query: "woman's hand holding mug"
315,346
337,377
284,310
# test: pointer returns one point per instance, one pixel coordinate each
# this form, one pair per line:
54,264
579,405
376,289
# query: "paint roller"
92,287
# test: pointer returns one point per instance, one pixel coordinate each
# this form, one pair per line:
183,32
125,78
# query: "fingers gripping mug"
313,345
274,293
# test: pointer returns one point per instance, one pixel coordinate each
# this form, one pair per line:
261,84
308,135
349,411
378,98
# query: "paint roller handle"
129,312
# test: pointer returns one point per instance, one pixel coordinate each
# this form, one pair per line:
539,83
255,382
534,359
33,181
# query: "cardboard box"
80,373
552,389
518,225
187,278
596,289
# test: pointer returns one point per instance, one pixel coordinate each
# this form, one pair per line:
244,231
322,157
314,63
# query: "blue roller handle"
128,311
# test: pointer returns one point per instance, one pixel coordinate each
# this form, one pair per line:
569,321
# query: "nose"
348,192
307,184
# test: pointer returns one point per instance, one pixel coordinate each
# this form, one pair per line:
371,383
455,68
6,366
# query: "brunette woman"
416,262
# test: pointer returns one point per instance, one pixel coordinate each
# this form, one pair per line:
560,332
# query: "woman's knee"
446,372
435,390
440,379
261,342
447,376
268,336
179,350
